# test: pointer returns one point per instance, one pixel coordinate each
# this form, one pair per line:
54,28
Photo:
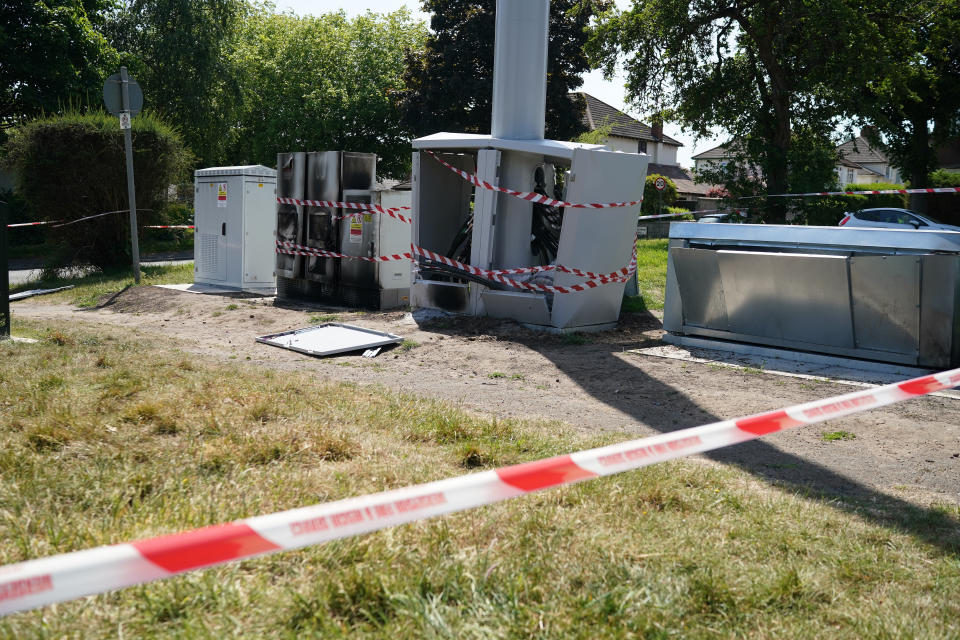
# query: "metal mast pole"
131,192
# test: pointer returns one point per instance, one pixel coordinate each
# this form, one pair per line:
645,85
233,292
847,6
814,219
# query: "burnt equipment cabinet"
233,239
338,176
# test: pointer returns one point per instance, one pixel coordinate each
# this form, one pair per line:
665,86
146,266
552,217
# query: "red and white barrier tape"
527,195
496,275
859,193
170,226
30,224
362,206
68,576
665,215
292,248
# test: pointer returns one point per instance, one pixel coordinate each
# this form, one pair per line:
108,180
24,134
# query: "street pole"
5,280
131,192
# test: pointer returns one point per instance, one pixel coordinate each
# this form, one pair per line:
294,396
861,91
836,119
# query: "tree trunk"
919,169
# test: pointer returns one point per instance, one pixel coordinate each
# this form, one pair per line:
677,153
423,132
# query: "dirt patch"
904,453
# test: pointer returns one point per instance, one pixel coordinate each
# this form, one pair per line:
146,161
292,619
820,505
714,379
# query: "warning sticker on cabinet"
221,194
356,232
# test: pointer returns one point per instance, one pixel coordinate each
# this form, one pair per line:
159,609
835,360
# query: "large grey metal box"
878,294
234,227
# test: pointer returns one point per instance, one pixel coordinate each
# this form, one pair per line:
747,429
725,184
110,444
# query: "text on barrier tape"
44,581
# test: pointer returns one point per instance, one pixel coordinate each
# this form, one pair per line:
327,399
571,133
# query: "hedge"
71,166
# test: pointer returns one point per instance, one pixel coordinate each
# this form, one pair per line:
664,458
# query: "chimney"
866,132
656,129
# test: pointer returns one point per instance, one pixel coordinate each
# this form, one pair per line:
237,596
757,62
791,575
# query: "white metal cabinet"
235,220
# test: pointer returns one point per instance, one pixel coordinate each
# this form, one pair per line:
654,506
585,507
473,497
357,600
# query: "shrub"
72,166
651,197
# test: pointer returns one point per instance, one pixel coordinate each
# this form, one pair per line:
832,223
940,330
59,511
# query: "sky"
611,92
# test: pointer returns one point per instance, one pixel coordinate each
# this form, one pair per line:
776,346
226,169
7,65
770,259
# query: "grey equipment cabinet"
234,227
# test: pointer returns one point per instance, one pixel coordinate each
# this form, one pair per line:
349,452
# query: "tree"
73,165
776,75
913,101
653,199
51,54
450,83
179,51
325,82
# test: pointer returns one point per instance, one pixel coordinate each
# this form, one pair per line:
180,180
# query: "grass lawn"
651,275
89,289
105,440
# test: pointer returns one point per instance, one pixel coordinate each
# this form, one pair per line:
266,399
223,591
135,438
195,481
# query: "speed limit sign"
660,184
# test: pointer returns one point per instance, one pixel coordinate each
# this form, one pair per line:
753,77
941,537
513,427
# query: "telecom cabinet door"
210,253
259,224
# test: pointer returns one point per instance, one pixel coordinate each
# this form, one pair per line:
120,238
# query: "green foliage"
912,100
325,82
52,55
178,50
828,211
652,199
73,166
746,68
941,178
599,135
450,83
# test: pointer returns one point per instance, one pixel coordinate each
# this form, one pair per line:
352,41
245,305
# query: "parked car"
892,218
720,217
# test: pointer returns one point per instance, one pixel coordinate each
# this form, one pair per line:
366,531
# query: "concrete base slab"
785,362
212,289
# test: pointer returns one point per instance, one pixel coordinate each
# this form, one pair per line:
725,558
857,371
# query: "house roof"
719,152
597,113
859,150
682,178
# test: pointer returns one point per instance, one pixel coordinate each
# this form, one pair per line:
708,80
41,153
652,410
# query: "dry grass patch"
154,443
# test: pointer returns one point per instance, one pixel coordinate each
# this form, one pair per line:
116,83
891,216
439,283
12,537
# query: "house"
861,164
629,135
858,162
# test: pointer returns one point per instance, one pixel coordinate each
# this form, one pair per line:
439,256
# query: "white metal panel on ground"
329,339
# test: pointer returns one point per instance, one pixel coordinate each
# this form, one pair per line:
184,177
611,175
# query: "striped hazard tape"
169,226
877,192
292,248
496,275
30,224
362,206
64,577
528,195
621,275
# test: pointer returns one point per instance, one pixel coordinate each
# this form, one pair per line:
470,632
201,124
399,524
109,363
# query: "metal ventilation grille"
208,252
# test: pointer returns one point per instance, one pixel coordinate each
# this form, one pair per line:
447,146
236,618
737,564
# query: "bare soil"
906,454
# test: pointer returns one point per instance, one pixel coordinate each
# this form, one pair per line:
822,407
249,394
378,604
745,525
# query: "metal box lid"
255,170
800,238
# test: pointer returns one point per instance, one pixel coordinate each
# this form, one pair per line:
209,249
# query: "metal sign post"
130,103
660,184
5,280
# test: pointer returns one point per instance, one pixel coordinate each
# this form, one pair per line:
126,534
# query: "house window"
850,176
642,148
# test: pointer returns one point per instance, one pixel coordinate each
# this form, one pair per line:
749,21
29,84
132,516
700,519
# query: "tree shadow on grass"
666,408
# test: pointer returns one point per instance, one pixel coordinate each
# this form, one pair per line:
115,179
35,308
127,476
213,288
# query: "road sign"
113,96
660,184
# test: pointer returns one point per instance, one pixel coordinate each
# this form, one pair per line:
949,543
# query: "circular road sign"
660,184
113,98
